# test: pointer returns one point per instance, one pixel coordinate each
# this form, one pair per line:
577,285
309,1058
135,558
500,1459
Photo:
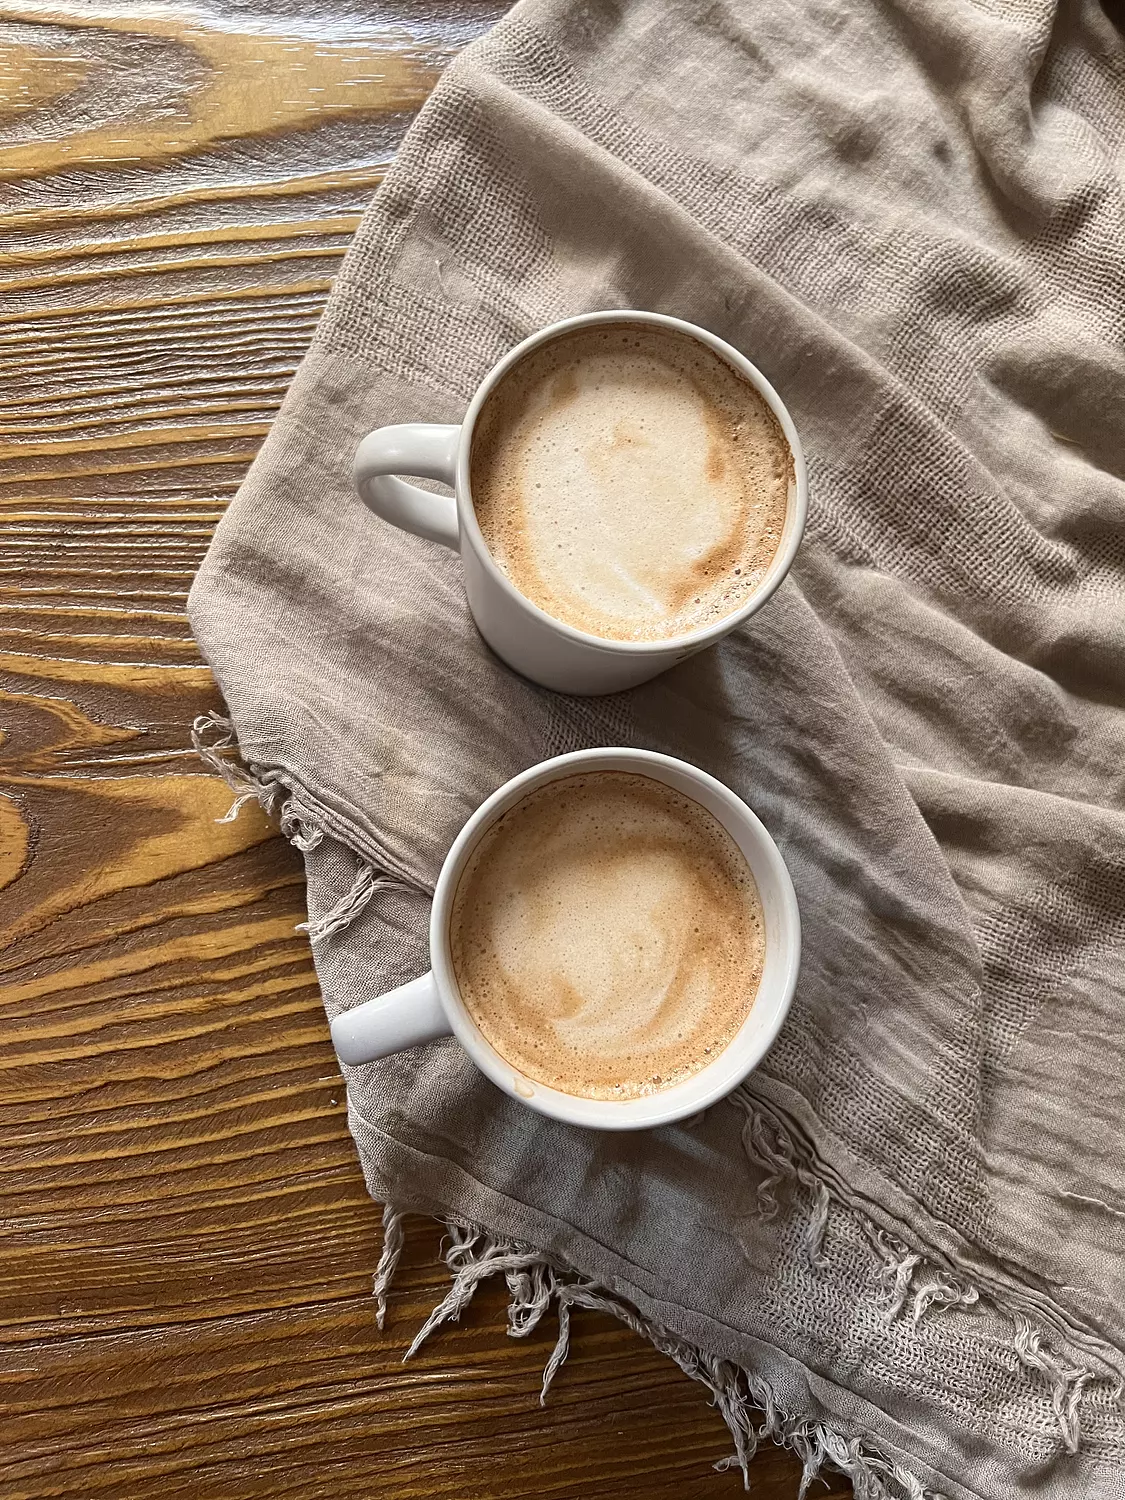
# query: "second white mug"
534,643
431,1006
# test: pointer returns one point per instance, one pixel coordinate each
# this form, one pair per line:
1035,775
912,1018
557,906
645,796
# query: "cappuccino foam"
630,482
607,936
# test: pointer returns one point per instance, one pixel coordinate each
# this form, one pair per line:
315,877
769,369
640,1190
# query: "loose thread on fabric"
1065,1382
471,1260
394,1238
299,828
908,1278
896,1273
355,900
243,783
302,831
816,1230
769,1146
748,1404
767,1152
941,1292
532,1290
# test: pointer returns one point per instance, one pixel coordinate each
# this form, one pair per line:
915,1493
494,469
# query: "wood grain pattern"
187,1251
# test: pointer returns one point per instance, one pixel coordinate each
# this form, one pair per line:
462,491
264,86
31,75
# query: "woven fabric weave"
906,1232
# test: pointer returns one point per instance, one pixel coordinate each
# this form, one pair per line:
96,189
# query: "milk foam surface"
630,482
607,936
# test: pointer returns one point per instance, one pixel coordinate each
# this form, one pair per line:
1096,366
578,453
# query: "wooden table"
187,1247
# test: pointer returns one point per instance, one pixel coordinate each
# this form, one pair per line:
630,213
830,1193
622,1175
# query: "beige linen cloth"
900,1248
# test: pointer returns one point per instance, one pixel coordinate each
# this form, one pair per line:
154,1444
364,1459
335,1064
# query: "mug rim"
796,509
742,1053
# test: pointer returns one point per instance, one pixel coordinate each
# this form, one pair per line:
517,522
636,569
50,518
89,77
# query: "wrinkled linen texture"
910,214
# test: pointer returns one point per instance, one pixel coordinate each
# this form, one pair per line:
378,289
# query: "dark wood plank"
185,1293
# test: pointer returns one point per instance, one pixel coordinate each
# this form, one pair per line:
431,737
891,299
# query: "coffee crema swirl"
607,936
630,482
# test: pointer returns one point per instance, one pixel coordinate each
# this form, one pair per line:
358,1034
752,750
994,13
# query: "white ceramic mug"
531,641
431,1006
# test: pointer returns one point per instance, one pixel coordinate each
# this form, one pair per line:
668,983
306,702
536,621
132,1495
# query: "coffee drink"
630,482
607,936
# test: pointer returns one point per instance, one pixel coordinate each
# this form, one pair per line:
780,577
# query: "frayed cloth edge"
746,1401
213,739
913,1286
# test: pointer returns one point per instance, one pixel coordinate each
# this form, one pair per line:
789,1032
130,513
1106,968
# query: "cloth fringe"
770,1146
213,738
393,1240
748,1404
241,779
1065,1382
906,1275
299,829
355,899
908,1278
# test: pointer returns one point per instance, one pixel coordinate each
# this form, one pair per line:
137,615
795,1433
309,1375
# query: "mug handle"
390,1023
425,449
